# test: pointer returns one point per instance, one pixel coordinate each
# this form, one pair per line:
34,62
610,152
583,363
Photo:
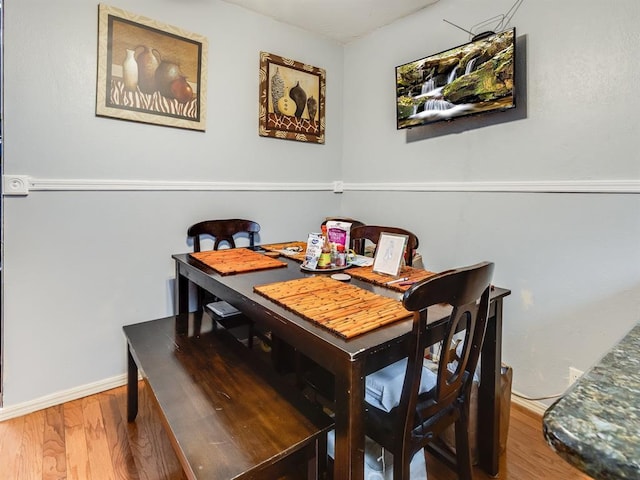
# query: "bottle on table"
325,256
341,258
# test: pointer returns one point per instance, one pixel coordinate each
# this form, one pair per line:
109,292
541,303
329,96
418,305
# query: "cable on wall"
491,25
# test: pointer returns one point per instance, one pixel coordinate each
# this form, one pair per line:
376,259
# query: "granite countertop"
596,425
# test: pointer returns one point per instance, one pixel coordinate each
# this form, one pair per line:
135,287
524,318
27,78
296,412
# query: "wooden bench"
228,415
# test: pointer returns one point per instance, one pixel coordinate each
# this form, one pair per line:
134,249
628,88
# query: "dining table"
350,355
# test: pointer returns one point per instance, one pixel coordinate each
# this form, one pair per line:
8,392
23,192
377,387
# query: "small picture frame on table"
389,253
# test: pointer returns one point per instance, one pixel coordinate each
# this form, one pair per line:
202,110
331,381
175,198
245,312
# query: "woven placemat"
413,275
281,248
343,309
236,260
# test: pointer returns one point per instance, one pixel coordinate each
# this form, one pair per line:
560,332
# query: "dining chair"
407,405
361,234
221,233
354,223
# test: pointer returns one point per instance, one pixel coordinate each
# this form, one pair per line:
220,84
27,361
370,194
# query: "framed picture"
150,72
389,253
292,97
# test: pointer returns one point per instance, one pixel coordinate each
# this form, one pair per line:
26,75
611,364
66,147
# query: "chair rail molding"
23,184
541,186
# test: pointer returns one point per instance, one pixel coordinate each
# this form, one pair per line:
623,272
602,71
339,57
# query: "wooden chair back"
354,223
223,231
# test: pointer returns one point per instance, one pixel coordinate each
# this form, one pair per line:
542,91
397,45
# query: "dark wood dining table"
349,360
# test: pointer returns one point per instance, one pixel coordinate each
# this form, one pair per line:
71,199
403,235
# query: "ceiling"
341,20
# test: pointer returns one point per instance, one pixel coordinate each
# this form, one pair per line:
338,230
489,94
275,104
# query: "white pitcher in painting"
130,71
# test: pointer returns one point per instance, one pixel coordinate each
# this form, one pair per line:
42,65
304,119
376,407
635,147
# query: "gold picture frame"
292,99
150,72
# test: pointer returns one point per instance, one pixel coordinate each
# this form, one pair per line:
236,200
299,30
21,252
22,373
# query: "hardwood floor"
527,456
90,439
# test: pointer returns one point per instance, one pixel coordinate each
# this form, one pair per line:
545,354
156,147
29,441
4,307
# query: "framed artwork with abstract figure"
390,253
150,72
292,99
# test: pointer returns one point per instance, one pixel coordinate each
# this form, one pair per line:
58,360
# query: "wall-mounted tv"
473,78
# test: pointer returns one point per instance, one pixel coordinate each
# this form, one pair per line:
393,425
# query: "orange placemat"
236,260
344,309
282,249
413,275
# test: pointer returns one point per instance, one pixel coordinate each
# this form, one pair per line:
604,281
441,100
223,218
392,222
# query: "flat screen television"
476,77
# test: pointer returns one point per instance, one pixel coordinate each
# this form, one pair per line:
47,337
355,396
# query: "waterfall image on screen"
476,77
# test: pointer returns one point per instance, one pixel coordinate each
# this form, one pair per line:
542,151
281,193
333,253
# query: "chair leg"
401,467
322,457
250,339
463,451
312,468
318,468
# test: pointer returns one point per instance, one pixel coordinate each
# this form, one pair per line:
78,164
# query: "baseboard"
47,401
532,406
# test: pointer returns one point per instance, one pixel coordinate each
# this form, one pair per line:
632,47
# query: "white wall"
80,264
572,260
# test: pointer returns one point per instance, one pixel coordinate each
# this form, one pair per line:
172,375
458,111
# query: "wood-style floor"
90,439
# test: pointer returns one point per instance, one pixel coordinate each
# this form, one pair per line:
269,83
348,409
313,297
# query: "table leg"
132,387
349,447
180,292
489,393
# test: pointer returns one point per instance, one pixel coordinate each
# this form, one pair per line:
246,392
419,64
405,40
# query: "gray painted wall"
571,260
80,264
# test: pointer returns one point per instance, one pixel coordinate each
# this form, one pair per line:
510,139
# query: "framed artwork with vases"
149,71
292,99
